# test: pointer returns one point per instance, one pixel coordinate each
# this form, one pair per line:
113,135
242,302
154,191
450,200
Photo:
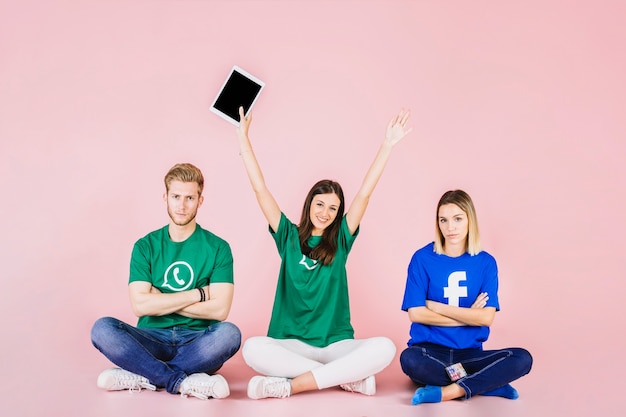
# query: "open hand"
396,129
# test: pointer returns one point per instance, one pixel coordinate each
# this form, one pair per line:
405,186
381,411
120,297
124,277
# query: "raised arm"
396,130
268,204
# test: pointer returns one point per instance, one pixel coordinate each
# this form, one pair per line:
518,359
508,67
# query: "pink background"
522,104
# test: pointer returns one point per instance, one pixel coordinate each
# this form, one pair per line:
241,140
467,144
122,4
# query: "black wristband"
202,294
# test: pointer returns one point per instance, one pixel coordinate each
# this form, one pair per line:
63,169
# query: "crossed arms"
439,314
147,300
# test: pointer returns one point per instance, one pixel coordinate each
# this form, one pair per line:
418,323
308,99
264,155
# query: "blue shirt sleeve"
416,285
490,283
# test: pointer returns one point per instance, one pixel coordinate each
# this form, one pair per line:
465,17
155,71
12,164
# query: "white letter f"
454,291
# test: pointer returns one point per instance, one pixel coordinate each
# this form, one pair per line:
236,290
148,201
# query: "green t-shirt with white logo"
169,266
311,302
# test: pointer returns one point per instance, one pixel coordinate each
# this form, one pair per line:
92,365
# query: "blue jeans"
165,356
486,369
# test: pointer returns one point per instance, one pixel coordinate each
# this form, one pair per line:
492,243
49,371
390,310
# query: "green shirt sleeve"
139,263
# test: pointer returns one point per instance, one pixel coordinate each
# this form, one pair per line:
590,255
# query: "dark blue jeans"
165,356
486,369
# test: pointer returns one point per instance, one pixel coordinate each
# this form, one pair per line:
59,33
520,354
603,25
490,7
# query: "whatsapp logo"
178,276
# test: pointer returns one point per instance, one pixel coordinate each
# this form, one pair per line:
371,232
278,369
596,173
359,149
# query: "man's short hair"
184,173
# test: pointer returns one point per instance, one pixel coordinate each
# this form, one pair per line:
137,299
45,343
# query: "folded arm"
217,305
147,300
466,316
439,314
424,315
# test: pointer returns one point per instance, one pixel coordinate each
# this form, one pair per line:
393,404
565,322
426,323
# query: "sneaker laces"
365,386
276,387
194,393
197,387
132,382
355,386
140,385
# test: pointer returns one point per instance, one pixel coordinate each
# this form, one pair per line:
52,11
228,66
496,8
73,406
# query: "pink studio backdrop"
519,103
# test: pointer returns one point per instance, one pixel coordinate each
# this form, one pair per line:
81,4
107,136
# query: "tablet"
240,89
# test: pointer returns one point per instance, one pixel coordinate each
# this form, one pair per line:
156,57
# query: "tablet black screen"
238,91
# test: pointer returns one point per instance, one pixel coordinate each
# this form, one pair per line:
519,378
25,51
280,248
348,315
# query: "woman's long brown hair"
325,251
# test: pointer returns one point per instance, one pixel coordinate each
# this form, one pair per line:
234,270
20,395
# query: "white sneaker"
365,386
116,379
203,386
268,386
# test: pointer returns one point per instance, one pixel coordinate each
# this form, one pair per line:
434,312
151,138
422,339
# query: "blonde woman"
451,297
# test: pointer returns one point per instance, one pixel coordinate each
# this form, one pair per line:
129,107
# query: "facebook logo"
454,291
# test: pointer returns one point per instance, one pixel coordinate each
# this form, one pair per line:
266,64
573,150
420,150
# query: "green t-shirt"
311,302
201,259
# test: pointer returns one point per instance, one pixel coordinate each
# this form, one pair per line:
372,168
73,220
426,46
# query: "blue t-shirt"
453,281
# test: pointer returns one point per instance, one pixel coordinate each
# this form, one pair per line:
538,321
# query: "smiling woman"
313,287
323,212
324,204
520,103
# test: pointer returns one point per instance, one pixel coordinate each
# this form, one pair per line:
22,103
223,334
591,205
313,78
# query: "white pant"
338,363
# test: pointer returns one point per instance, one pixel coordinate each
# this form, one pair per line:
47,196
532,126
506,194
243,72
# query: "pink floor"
71,391
521,103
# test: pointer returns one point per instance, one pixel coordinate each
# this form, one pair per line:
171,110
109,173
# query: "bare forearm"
219,297
396,130
266,201
376,170
158,304
206,310
362,198
255,175
467,316
428,317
